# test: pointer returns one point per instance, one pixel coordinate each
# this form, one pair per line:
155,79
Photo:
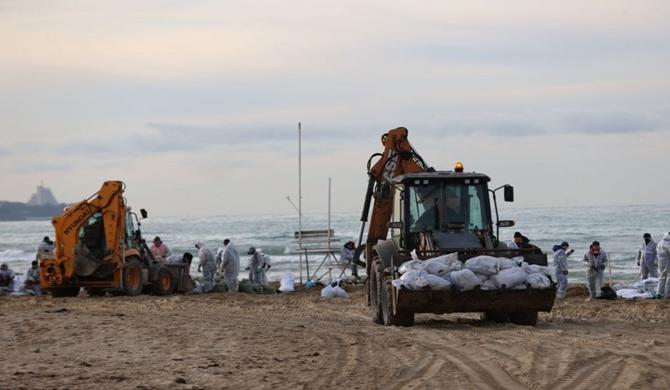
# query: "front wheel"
164,283
374,281
401,318
528,318
133,281
64,292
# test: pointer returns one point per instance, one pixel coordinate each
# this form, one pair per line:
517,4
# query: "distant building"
43,197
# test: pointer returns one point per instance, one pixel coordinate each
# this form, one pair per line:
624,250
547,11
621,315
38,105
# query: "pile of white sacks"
486,272
643,289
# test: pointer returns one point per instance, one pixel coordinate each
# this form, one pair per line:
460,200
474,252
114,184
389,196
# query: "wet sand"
299,341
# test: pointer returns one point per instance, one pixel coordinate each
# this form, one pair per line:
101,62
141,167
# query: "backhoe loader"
98,247
436,213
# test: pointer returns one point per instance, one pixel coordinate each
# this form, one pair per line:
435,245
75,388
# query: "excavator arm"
398,158
110,203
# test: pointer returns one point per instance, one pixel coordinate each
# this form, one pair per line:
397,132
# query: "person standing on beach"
595,260
207,266
561,264
646,258
230,266
663,252
45,249
347,254
259,263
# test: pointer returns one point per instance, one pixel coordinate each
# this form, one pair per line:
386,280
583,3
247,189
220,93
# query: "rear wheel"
95,291
132,277
65,292
401,318
164,283
524,318
496,316
373,293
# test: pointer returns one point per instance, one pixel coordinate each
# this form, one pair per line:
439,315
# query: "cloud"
614,122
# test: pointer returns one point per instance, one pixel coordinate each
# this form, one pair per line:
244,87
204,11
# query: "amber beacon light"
458,167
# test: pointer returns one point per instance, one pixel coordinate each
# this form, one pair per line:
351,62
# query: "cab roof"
441,175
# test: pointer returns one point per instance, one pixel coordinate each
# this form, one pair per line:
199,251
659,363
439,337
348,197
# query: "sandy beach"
301,341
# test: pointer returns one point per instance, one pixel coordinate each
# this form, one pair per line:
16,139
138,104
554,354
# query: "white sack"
412,265
465,279
509,278
538,280
505,263
489,285
287,284
484,265
338,292
327,292
534,268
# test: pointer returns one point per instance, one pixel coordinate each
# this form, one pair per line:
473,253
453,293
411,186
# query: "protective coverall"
44,251
230,265
6,280
595,271
208,266
663,249
561,265
646,259
258,264
32,281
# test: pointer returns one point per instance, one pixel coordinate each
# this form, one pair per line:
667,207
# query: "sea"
618,228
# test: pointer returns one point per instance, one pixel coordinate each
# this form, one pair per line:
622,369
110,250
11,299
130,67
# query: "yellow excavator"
98,247
436,213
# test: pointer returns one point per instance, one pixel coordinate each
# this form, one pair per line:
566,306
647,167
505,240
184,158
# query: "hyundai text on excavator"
99,248
436,213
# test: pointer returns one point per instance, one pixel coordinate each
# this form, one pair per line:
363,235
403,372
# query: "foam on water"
619,229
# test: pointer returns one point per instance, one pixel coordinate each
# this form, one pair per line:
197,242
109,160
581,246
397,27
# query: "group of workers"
651,258
31,282
226,262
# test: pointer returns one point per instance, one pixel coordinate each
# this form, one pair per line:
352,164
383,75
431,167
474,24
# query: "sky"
195,104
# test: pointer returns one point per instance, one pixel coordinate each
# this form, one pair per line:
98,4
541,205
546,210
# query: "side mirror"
506,223
145,214
509,193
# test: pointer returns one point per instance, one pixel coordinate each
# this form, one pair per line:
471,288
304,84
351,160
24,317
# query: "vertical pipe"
329,199
300,197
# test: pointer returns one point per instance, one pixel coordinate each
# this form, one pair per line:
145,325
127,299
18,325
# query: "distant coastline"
17,211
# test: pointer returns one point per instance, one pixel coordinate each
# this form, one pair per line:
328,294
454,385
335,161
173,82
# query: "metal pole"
300,197
329,198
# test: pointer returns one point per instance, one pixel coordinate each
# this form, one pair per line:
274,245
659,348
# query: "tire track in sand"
415,377
480,376
589,374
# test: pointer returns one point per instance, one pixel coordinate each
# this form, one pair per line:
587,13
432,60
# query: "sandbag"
534,268
483,265
538,280
482,278
287,283
489,285
505,263
435,282
338,292
509,278
327,292
412,265
442,265
465,279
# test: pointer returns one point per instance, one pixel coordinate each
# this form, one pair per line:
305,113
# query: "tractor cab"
445,211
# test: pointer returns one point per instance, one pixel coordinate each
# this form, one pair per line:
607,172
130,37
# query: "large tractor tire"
374,282
64,292
528,318
401,318
164,283
95,291
496,316
133,280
